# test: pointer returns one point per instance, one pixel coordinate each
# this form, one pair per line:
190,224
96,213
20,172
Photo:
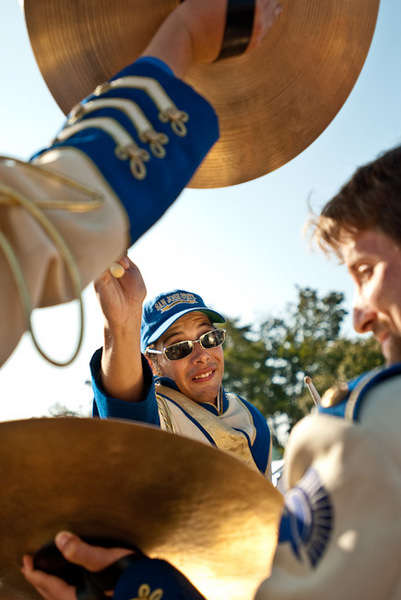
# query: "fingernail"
63,538
117,270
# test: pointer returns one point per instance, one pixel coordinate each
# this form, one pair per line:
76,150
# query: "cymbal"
193,505
272,102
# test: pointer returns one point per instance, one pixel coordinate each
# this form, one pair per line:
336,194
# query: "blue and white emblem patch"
308,519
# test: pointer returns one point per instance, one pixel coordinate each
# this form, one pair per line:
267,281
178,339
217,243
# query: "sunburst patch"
310,518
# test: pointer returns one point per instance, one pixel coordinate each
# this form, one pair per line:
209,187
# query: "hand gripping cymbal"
272,102
197,507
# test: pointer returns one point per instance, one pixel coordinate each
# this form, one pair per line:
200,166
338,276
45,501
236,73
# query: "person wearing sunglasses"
340,533
162,363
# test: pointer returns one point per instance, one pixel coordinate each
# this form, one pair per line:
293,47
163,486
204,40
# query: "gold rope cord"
95,198
9,196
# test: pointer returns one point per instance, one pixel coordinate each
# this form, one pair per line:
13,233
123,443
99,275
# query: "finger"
49,586
102,280
131,269
42,592
129,263
27,562
266,13
93,558
125,261
118,268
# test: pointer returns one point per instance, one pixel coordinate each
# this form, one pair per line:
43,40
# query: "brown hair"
370,200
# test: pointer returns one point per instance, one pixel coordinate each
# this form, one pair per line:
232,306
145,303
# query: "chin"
204,395
391,350
392,360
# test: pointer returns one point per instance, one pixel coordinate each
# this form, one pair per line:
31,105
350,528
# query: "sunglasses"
210,339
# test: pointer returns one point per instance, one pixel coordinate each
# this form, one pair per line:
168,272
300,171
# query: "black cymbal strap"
94,584
239,26
89,585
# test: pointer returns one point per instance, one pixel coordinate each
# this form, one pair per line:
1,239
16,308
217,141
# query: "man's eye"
174,342
364,271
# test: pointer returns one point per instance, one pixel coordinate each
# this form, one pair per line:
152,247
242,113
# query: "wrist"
121,334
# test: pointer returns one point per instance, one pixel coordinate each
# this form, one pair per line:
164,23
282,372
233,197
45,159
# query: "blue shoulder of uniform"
345,400
147,132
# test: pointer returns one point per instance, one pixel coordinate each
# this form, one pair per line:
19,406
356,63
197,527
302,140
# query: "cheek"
393,298
386,290
373,293
166,368
219,355
174,369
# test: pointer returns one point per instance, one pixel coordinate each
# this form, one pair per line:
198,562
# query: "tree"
247,371
59,410
267,364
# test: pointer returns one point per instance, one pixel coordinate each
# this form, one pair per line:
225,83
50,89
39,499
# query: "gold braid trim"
164,413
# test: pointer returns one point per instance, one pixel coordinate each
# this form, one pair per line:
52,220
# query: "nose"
199,353
363,317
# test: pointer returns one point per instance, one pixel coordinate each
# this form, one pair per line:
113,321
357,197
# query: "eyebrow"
362,255
172,334
180,332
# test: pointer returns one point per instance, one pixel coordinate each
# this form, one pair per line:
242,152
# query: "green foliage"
59,410
247,371
267,365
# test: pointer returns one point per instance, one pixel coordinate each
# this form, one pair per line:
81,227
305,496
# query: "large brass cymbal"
272,103
198,507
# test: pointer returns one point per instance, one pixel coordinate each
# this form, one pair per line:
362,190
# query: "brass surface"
335,395
272,103
198,507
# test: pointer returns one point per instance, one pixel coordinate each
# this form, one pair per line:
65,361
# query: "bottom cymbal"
177,499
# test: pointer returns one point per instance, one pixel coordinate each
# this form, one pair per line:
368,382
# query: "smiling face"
374,261
200,374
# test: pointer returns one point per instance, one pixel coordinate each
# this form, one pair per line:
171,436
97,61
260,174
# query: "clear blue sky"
256,253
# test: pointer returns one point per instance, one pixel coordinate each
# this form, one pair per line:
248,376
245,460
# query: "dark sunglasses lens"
214,338
179,350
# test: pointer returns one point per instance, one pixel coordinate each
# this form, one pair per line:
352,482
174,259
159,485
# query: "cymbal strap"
89,585
239,27
94,584
107,578
88,590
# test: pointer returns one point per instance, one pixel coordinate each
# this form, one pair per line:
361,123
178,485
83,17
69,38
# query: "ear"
154,365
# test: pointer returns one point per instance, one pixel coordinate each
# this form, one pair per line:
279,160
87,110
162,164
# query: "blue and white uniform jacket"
121,159
340,534
233,425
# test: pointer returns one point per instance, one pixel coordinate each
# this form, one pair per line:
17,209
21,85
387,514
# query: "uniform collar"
222,400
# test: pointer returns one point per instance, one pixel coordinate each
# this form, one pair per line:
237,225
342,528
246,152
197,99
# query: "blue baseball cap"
165,309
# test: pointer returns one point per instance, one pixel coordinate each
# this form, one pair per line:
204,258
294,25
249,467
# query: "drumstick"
313,391
116,270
